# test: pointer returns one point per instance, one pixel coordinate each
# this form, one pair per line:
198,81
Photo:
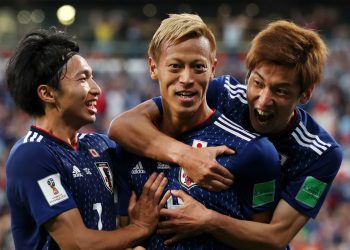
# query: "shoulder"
98,139
309,135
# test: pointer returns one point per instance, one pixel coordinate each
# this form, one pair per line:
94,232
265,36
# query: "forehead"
76,65
275,73
198,47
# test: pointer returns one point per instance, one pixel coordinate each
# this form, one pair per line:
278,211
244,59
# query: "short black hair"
38,59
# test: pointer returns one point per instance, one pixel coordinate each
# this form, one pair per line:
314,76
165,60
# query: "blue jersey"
255,166
310,157
46,177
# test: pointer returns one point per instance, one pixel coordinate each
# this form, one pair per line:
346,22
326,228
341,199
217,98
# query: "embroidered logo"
94,153
138,169
163,166
87,171
199,144
106,174
311,191
185,180
76,172
52,189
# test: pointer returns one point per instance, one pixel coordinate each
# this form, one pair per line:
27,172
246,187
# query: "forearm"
136,132
69,232
123,238
285,224
242,234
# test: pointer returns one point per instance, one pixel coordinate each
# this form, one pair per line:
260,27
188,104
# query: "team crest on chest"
106,174
185,180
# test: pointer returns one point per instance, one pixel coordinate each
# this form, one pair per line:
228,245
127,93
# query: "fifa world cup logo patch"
52,185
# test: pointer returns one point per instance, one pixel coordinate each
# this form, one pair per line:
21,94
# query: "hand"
187,220
201,166
145,212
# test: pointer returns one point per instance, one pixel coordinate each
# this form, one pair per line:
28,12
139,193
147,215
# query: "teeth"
91,103
185,93
263,113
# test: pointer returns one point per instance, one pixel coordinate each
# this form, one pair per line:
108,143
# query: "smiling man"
182,59
60,183
285,64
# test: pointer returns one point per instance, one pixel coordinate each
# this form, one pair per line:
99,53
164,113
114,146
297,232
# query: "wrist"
141,232
180,154
211,221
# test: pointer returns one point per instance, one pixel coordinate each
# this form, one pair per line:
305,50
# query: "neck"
58,128
174,124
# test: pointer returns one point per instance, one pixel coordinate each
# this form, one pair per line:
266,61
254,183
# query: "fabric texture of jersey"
46,177
255,166
310,157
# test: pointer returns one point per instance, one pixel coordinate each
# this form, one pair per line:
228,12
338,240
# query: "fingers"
148,184
160,188
154,187
132,202
223,150
165,199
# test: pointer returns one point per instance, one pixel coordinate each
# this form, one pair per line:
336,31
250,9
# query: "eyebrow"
281,83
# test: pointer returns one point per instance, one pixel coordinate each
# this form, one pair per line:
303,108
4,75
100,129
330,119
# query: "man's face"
273,93
77,97
184,71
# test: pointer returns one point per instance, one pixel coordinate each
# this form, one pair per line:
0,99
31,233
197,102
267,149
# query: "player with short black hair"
60,183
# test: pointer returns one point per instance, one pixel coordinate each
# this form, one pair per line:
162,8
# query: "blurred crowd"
115,45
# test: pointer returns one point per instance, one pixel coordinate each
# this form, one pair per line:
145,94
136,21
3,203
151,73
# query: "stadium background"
114,35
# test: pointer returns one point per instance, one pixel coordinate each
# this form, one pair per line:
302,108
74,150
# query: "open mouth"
91,105
263,116
185,94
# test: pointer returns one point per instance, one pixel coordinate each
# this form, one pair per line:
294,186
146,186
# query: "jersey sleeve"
258,177
158,101
307,192
36,184
123,180
227,95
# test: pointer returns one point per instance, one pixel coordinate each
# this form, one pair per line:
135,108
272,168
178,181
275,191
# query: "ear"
306,95
153,68
213,68
45,93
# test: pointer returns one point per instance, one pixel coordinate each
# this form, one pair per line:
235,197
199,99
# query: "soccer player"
60,183
182,59
285,64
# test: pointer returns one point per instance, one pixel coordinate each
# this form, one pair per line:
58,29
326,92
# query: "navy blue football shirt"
310,157
255,166
46,177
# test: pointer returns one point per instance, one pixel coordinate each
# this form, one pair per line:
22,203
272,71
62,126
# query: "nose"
186,76
94,88
265,97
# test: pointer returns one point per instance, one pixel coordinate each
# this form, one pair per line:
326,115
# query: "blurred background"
114,34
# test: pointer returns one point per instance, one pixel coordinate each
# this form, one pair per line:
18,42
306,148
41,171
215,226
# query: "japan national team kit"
255,166
47,177
310,157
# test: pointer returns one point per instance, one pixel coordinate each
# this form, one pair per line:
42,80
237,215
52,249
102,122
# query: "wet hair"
39,58
177,28
287,44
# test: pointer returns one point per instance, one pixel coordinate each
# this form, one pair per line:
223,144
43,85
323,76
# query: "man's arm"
69,231
135,131
193,218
